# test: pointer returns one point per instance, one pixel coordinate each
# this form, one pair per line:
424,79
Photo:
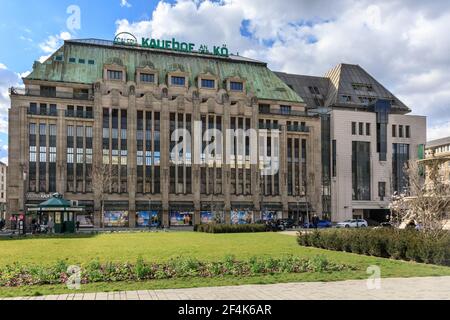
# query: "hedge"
230,228
22,275
408,245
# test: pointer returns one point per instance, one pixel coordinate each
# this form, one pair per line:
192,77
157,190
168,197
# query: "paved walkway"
391,289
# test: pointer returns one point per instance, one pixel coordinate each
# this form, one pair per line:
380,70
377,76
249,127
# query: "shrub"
230,228
409,245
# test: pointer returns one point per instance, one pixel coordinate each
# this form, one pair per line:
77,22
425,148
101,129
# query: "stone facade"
440,149
3,183
359,112
116,119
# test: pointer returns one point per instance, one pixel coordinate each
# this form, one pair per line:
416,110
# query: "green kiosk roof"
55,202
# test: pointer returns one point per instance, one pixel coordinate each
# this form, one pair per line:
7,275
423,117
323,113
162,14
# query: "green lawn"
163,246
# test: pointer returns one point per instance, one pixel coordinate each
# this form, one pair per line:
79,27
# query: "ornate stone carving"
164,93
132,90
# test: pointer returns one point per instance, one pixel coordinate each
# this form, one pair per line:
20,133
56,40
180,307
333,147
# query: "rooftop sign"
127,39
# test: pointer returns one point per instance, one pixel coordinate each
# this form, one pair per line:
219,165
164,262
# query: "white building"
367,139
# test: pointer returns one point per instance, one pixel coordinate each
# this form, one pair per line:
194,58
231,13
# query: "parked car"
385,225
284,224
322,224
353,223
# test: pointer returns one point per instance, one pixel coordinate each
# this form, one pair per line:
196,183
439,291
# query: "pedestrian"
315,221
78,225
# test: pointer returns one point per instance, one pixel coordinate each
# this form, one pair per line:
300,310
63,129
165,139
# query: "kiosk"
60,212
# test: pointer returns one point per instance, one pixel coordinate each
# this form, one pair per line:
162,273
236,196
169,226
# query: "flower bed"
409,245
17,275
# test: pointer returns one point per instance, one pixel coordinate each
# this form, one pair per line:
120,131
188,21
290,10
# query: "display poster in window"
115,218
147,219
181,218
241,217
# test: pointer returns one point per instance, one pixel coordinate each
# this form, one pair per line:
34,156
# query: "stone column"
97,152
196,181
132,161
165,144
61,151
283,171
226,169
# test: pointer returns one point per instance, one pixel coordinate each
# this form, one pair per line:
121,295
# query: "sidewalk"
391,289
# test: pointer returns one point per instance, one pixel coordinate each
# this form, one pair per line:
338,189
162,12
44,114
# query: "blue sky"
403,43
23,32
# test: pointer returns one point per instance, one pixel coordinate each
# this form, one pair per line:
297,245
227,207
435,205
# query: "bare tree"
101,177
426,200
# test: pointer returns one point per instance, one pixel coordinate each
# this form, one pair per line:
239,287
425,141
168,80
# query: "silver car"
353,223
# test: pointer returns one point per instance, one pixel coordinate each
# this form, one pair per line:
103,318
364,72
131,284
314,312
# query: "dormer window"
178,81
345,98
208,84
236,86
147,77
115,75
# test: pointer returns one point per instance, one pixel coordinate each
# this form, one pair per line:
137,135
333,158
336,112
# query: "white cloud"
125,3
8,79
52,43
403,44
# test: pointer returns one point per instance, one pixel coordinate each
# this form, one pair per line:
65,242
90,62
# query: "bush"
409,245
230,228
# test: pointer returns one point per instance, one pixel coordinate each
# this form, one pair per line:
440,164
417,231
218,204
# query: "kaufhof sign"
128,39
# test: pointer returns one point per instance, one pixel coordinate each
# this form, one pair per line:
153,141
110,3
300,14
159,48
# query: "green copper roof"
260,80
55,203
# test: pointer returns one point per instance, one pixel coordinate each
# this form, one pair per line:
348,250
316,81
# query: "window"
207,83
345,99
59,58
53,110
114,75
400,158
285,109
178,81
147,77
91,62
400,131
81,94
319,102
361,128
334,158
236,86
33,108
382,190
408,131
353,128
394,130
82,61
367,129
72,60
48,91
361,170
264,108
